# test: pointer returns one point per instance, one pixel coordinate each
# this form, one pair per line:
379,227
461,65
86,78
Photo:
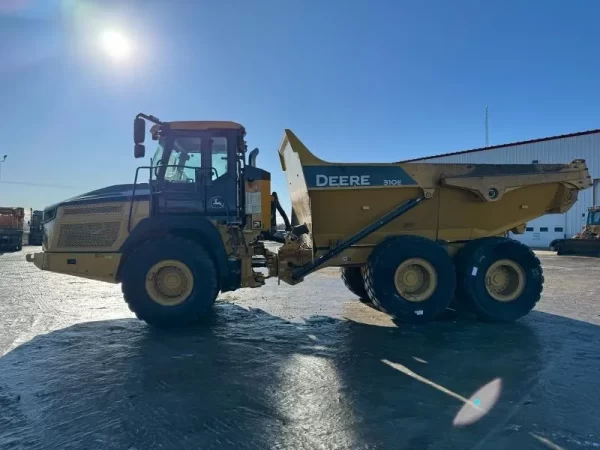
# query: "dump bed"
11,218
463,201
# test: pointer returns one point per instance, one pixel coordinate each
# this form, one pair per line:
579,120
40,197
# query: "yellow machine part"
462,201
85,240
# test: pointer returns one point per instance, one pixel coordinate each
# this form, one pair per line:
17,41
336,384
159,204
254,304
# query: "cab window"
218,157
184,159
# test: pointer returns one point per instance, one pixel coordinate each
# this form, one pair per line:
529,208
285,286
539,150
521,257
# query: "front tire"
499,279
411,278
170,283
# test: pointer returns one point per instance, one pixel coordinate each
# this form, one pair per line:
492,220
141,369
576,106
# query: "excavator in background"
11,228
584,243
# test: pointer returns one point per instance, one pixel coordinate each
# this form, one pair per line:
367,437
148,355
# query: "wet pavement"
305,367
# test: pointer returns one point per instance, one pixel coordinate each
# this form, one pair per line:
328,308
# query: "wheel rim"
415,279
505,280
169,282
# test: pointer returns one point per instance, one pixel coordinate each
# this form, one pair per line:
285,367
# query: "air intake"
88,235
101,209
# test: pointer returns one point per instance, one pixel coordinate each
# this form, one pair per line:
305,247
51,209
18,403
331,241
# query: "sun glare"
115,45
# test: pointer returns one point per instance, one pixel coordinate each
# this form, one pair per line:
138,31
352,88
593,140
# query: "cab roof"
205,125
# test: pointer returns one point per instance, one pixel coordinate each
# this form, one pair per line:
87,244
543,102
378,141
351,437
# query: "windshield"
594,218
185,158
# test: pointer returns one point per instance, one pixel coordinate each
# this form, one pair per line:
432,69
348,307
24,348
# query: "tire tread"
375,260
201,255
464,261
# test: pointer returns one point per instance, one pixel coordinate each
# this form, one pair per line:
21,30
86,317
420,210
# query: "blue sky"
355,80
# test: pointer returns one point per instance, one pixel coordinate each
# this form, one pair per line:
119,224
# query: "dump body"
462,201
11,228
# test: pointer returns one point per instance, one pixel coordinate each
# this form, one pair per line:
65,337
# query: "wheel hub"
505,280
169,282
415,279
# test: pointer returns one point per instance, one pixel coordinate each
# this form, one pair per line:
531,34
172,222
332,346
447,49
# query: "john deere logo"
217,202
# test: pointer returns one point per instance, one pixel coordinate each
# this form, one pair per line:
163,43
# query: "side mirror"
139,130
139,150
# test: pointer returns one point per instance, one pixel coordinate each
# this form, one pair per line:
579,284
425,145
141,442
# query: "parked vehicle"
11,228
584,243
36,228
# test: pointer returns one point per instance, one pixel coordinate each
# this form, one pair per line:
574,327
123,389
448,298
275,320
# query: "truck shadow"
248,379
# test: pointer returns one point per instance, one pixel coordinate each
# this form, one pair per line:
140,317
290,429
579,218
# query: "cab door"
221,181
181,190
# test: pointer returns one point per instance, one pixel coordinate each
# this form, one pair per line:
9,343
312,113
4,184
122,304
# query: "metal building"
554,149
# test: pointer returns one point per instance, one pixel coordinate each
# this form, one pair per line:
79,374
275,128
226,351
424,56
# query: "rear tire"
498,279
169,283
353,279
410,278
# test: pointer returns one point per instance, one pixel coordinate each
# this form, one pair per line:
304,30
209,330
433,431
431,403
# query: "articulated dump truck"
410,238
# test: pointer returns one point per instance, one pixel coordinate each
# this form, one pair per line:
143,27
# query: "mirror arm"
149,117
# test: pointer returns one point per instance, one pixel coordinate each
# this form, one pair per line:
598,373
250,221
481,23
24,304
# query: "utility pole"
3,159
487,132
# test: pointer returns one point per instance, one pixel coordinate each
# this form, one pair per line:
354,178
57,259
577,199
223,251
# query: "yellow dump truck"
411,238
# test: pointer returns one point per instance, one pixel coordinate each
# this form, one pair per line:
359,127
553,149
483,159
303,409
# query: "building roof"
493,147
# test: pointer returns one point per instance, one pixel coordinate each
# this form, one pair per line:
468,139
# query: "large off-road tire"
353,279
411,278
170,282
498,279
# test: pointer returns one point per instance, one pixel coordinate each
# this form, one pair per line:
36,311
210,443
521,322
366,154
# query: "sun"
115,44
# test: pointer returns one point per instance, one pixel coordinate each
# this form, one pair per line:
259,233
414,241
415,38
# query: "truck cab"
198,168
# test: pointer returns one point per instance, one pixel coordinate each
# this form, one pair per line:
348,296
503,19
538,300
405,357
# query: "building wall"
562,150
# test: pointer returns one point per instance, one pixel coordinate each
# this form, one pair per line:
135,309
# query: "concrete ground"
305,367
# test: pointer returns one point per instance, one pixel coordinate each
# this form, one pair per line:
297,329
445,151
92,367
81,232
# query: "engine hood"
116,193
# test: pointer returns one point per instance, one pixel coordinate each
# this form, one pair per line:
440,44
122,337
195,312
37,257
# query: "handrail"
137,171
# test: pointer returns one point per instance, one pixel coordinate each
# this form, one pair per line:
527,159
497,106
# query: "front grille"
102,209
88,235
